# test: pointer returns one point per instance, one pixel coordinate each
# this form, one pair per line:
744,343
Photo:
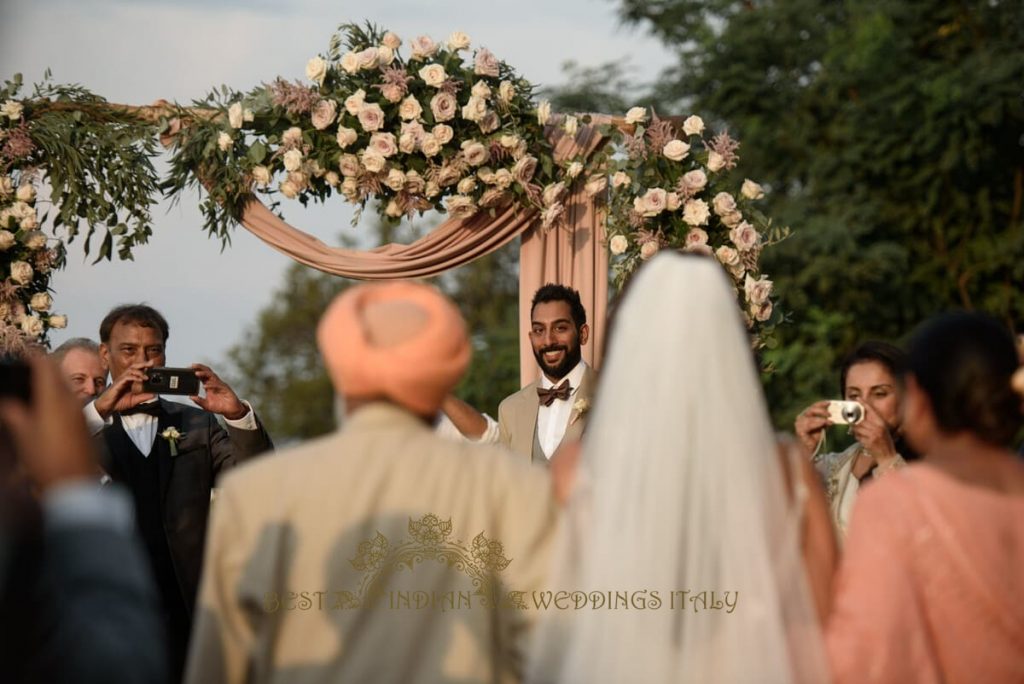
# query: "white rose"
21,272
694,181
58,321
676,150
384,143
355,101
316,70
476,153
636,115
373,161
410,108
348,165
474,109
486,64
651,203
481,90
12,110
571,125
694,125
724,204
466,185
292,160
371,117
618,244
350,62
429,145
299,179
506,91
715,162
762,311
224,141
757,291
235,115
33,240
6,240
346,136
332,179
433,75
350,188
543,112
574,169
443,133
395,179
292,137
368,58
458,41
695,212
503,179
444,106
422,48
620,178
324,113
391,40
385,55
727,255
649,249
32,326
41,301
26,193
696,237
751,190
744,236
289,189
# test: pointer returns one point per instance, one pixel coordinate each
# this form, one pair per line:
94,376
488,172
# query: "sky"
139,51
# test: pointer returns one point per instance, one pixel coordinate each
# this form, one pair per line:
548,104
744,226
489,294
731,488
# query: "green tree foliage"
891,136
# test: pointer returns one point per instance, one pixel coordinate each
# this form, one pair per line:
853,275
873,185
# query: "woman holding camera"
869,376
931,586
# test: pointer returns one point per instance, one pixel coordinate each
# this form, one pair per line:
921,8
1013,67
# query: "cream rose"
348,165
29,222
503,179
235,115
506,91
346,136
432,189
395,180
25,193
316,70
391,40
372,160
673,201
384,143
571,125
732,219
58,321
481,89
444,106
724,204
385,55
6,240
355,102
486,174
443,133
32,326
422,48
694,181
324,113
551,214
489,122
695,212
649,249
485,64
651,203
458,41
34,240
636,115
392,93
433,75
596,185
524,169
744,236
574,169
292,137
676,150
466,185
543,113
224,141
694,125
350,62
12,110
410,108
715,162
429,145
21,272
553,193
474,109
751,190
368,58
414,182
6,186
393,210
763,311
475,153
696,237
350,187
332,178
492,197
41,301
371,117
460,206
292,160
618,244
620,178
727,255
757,291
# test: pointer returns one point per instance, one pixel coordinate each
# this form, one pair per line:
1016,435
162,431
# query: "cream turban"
402,341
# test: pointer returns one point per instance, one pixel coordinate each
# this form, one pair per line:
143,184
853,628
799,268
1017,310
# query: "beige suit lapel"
578,418
526,415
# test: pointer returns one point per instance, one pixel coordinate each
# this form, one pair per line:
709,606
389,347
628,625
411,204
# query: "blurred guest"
870,376
681,491
77,603
82,368
358,519
931,586
534,421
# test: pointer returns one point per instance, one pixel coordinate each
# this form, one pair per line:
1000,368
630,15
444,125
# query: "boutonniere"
172,436
580,407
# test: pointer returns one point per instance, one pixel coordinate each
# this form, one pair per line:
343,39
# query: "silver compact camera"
846,412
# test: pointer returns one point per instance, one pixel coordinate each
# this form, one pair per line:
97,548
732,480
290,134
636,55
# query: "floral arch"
413,126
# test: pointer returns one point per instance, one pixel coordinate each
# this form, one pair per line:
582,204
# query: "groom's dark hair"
139,314
560,293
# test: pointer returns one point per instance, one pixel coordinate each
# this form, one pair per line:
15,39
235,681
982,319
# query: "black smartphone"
162,380
15,380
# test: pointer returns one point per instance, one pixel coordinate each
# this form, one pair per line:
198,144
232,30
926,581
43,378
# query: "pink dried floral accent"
17,145
636,148
294,97
726,147
659,133
451,86
394,77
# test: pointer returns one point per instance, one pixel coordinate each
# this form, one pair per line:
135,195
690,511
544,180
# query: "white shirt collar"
575,377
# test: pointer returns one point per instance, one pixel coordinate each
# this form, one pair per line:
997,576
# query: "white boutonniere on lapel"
579,408
172,436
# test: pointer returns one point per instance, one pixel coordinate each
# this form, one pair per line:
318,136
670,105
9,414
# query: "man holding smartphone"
168,455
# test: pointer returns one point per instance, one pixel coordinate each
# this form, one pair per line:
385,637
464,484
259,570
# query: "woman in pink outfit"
931,586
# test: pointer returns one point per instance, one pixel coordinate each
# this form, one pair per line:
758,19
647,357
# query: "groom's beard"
572,357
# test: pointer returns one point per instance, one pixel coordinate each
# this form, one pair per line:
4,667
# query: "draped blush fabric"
571,253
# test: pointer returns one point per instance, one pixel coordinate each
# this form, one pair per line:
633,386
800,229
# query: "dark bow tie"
548,396
150,409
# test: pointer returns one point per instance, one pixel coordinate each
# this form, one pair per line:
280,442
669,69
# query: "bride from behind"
679,488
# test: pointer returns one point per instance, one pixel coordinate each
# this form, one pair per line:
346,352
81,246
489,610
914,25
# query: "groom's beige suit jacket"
346,515
517,418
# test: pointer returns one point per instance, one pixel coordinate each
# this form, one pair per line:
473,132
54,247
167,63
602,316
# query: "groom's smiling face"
555,339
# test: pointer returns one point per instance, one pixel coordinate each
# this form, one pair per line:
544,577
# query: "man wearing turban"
381,552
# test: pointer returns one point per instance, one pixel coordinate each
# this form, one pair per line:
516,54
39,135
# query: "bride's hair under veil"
680,488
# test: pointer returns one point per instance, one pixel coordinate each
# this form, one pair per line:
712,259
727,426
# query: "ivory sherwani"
337,560
517,417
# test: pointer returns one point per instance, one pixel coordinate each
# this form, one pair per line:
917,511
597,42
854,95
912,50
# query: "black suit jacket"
205,451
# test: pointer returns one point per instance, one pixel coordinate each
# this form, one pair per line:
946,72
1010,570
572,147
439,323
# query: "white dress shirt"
444,427
553,420
141,427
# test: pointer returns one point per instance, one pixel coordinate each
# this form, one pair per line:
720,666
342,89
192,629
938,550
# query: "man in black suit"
168,455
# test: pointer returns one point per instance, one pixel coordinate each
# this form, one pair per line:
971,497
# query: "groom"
534,421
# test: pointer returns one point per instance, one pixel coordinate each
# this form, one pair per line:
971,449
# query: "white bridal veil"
680,489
